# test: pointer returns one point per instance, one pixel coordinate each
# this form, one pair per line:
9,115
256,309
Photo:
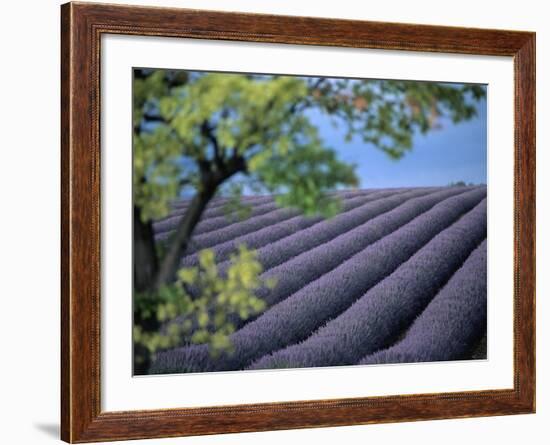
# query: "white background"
29,239
121,392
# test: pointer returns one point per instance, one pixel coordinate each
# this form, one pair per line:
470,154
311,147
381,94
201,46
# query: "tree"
196,133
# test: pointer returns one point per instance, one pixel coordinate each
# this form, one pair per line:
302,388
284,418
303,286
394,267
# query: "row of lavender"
350,289
307,252
375,320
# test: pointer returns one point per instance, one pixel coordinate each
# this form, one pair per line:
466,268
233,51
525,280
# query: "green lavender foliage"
205,316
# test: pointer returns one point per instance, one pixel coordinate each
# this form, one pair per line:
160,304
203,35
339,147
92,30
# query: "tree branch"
154,118
210,182
208,132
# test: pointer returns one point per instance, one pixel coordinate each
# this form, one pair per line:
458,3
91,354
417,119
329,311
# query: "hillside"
398,276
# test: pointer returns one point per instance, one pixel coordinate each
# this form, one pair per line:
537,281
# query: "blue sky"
456,152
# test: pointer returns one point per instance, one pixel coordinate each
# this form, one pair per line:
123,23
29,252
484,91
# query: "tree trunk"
145,270
210,181
145,255
148,276
180,240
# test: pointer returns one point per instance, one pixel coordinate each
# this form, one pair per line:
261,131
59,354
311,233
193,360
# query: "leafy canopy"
185,119
216,117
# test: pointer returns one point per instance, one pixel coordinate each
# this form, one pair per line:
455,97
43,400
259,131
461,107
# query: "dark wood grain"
82,26
65,228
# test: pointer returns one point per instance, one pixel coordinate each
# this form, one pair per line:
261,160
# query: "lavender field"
399,275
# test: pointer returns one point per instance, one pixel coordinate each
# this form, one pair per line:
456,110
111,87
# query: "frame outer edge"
81,416
66,92
525,85
80,231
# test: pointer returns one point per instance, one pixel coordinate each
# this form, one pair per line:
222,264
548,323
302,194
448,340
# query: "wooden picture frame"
82,25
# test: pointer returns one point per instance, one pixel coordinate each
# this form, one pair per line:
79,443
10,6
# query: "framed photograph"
274,222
